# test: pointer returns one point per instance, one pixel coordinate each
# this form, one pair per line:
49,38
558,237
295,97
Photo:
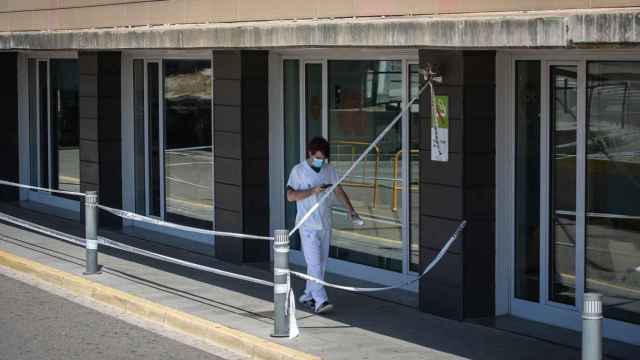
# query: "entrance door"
54,129
172,143
577,176
349,102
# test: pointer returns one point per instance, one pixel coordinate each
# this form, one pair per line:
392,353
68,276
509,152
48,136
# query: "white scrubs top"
303,177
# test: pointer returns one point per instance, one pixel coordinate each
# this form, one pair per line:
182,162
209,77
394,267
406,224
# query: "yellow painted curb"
217,334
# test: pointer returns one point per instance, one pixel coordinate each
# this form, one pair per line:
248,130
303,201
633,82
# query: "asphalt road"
35,324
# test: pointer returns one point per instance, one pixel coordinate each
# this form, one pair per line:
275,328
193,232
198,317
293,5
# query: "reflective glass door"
350,102
364,97
577,229
563,121
54,128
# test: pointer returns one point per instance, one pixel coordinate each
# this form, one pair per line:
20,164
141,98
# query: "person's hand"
355,218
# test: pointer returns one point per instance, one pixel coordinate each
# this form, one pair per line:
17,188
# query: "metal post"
281,283
91,232
592,327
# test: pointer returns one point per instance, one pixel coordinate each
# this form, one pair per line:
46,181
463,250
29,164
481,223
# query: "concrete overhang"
550,29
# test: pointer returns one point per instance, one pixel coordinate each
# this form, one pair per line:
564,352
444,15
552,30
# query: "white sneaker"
324,308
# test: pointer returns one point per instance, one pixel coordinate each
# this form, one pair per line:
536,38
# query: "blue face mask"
317,163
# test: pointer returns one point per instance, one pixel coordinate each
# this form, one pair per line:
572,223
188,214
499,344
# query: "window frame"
70,204
322,56
128,146
506,302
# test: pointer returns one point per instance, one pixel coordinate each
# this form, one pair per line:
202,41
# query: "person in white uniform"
307,182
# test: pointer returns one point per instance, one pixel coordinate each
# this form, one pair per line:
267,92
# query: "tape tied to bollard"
92,244
281,288
280,271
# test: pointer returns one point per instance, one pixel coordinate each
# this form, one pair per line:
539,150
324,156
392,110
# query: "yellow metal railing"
397,184
373,185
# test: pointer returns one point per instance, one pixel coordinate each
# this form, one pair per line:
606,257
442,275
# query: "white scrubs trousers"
315,246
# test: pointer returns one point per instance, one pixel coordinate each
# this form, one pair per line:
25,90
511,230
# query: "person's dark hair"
316,144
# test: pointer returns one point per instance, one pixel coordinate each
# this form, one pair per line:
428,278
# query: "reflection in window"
54,123
138,135
414,166
291,115
44,159
527,214
612,259
188,156
313,101
65,130
153,129
562,215
364,96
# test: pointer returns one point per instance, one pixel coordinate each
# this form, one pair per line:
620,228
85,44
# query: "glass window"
33,124
139,135
612,259
188,155
414,166
153,139
562,214
364,96
65,129
313,93
43,112
291,102
527,214
54,123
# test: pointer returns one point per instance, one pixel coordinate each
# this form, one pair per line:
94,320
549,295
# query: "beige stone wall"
26,15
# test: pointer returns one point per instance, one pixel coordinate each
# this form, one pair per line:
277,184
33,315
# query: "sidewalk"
361,327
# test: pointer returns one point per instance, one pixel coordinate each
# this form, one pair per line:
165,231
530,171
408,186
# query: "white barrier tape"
291,311
281,250
92,244
280,272
137,217
433,263
281,288
293,322
43,230
114,244
382,134
127,248
30,187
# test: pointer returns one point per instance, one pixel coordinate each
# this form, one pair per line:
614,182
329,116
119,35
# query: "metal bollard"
281,283
91,232
592,327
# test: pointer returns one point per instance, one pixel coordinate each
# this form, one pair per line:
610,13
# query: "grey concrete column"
241,163
9,124
462,285
100,124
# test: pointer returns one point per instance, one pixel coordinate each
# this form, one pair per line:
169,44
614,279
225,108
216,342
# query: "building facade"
195,111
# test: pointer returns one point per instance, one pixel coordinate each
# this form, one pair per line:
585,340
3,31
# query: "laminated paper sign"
440,129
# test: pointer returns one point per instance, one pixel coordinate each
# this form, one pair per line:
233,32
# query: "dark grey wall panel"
462,286
228,144
241,117
9,149
100,129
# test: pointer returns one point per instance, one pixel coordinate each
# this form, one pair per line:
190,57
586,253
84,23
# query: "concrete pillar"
100,124
241,152
462,285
